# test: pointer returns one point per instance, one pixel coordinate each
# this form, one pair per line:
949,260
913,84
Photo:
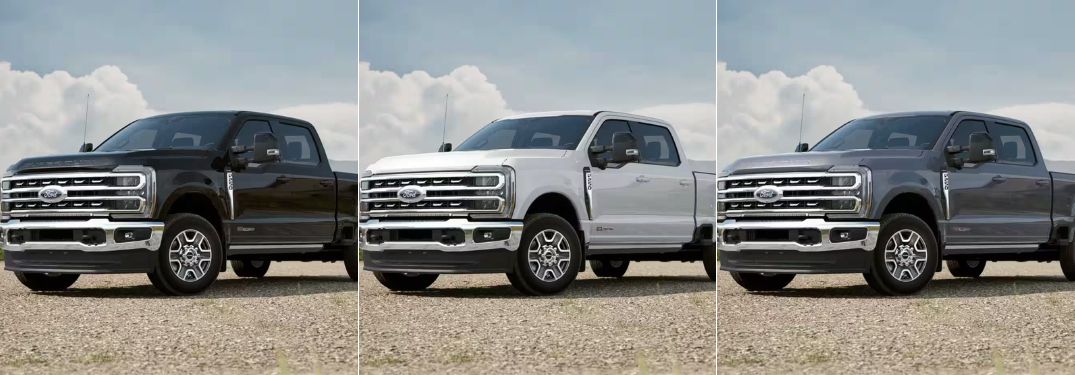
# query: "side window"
246,133
961,137
1013,144
297,145
655,144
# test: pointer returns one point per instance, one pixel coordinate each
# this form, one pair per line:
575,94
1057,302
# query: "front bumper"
789,256
432,255
108,254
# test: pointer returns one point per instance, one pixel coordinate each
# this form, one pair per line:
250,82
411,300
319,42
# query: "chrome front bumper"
109,227
825,227
468,227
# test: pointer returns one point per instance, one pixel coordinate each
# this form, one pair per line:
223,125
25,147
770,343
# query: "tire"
709,261
966,268
1067,261
609,268
548,239
902,243
250,268
402,282
186,255
46,282
350,262
756,282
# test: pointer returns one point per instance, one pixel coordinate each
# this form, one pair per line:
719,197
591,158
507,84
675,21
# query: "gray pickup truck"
890,196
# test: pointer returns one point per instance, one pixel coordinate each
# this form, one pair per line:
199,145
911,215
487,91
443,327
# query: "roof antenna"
444,147
86,120
802,116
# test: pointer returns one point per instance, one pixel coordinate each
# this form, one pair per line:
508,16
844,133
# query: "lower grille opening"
800,236
86,236
444,236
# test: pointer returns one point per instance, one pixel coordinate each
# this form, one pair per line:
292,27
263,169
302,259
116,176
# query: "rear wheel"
250,268
757,282
905,258
1067,261
609,268
966,268
46,282
350,261
548,257
709,261
403,282
190,255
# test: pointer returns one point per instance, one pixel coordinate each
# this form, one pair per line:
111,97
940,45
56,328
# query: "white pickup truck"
533,196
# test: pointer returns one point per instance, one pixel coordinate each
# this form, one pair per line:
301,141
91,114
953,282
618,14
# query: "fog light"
491,234
847,234
132,234
374,237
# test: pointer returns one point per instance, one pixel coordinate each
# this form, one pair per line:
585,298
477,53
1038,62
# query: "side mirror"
802,147
445,147
265,148
86,147
981,148
624,148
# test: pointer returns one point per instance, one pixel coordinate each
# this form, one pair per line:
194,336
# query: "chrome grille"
446,193
791,193
88,194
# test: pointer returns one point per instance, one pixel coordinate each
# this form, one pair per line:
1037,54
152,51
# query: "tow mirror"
445,147
624,148
981,148
802,147
266,149
86,147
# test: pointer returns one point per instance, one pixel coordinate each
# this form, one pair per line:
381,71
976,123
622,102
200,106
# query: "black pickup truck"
175,195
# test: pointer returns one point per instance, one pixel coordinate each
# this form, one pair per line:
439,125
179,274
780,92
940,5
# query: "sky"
502,57
140,58
860,57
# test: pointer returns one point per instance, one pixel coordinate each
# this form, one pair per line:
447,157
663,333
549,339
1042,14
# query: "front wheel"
46,282
966,268
609,268
405,282
757,282
905,258
190,255
250,268
548,257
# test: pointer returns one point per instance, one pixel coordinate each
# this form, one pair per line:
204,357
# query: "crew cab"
174,196
890,196
534,196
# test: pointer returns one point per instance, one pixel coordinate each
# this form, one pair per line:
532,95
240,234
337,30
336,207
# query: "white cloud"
42,115
411,107
404,114
759,114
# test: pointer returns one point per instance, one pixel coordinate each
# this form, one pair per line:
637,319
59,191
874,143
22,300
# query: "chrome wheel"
549,255
906,255
190,255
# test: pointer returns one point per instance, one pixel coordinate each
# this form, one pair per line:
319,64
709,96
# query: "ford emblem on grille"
52,194
768,194
411,194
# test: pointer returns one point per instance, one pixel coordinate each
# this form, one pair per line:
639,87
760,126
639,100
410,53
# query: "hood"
456,160
814,161
99,161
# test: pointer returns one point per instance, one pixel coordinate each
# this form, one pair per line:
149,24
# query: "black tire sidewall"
883,280
44,283
402,282
350,261
524,279
605,268
166,279
709,261
247,268
757,282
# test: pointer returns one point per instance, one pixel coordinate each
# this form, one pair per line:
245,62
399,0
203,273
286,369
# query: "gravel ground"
300,319
1018,318
657,319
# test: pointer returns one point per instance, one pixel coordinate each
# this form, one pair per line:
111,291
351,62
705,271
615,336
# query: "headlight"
506,191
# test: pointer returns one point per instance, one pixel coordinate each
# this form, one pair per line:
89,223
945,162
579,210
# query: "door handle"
685,182
999,178
1042,182
642,179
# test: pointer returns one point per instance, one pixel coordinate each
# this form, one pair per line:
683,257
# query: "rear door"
303,195
667,185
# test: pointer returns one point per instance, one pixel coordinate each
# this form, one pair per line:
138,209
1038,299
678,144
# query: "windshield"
197,131
555,132
908,133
